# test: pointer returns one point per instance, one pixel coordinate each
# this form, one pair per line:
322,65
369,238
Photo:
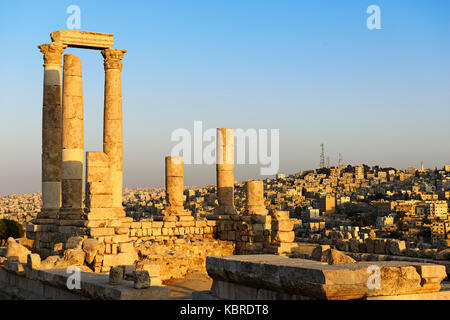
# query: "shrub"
10,228
2,232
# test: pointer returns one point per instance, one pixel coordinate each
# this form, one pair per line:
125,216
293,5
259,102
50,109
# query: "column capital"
112,58
52,52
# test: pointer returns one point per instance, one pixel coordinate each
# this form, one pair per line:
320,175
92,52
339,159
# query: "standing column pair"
72,133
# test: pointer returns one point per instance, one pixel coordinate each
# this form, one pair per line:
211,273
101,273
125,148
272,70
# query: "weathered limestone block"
97,174
100,201
104,213
33,261
74,242
282,225
431,276
83,39
284,236
126,247
319,251
116,275
315,280
395,247
90,247
154,270
333,257
141,279
74,257
99,187
15,249
99,232
97,159
126,258
281,215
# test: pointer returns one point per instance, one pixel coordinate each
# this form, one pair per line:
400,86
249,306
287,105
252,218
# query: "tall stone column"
174,187
112,130
51,130
72,139
225,176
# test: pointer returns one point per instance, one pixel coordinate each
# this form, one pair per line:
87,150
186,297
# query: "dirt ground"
181,289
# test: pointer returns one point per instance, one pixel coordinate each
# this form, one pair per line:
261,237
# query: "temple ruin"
249,254
66,211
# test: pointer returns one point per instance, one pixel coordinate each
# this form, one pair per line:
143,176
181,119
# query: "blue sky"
309,68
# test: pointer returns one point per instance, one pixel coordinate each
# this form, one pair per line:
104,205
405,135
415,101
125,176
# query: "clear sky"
309,68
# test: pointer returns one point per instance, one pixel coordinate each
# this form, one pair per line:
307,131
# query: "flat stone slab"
316,280
96,286
83,39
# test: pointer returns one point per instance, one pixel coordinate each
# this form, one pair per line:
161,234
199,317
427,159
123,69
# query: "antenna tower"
322,157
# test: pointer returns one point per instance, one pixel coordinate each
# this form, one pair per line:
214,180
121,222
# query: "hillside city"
349,202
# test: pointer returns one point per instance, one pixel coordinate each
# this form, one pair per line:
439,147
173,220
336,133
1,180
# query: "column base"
225,210
171,211
261,211
47,213
71,214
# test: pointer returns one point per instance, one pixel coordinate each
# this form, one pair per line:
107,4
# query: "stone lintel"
83,39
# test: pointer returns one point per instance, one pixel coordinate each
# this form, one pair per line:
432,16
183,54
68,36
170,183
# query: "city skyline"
379,97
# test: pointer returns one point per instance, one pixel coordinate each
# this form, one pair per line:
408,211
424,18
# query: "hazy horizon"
312,70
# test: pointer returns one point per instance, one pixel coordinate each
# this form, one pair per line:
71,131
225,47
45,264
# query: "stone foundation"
52,285
277,277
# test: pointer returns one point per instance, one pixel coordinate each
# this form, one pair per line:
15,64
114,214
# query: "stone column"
174,186
225,176
51,130
255,198
72,139
112,130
